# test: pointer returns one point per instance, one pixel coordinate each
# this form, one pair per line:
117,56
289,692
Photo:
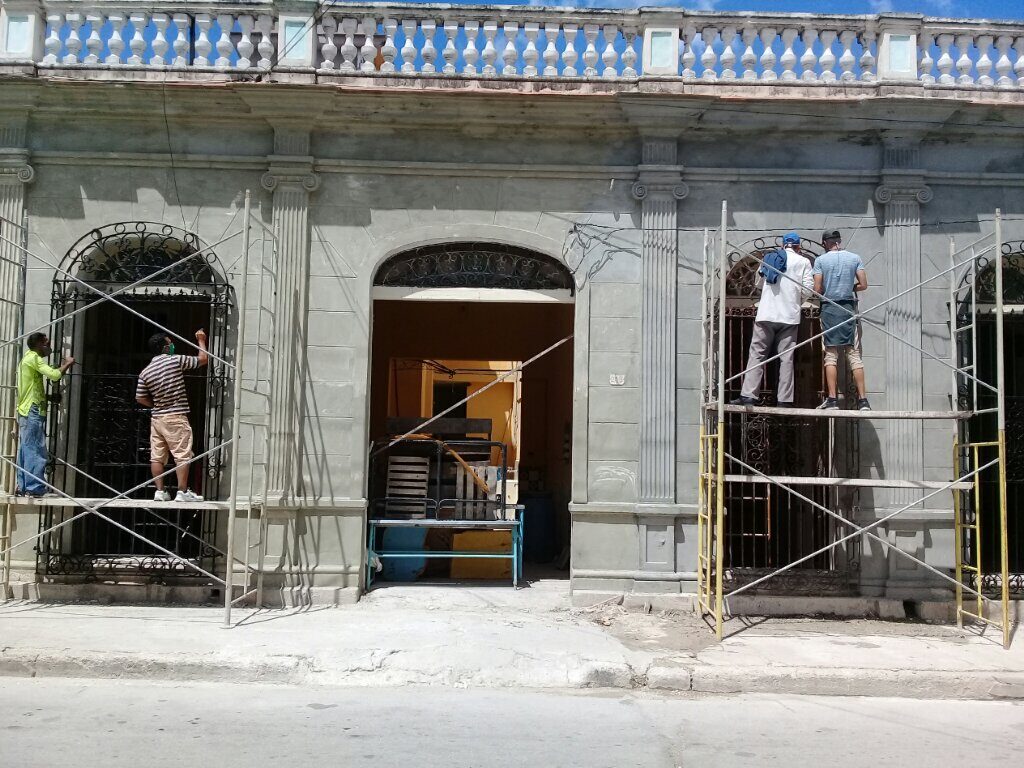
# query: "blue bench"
515,554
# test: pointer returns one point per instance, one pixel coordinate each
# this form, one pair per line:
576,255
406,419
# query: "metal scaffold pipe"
236,408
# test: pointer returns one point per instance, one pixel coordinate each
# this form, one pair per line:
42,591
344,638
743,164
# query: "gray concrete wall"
522,173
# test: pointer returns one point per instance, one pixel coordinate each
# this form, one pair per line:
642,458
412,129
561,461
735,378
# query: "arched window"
473,265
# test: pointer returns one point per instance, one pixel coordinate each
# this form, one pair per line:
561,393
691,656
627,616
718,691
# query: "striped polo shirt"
163,382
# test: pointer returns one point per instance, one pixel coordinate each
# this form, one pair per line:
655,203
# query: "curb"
660,677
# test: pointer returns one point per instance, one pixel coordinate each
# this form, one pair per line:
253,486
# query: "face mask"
170,348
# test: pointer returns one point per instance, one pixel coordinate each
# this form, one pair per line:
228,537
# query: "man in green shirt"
32,412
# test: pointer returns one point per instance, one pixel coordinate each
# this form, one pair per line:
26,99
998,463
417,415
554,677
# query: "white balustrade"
329,48
728,57
610,56
368,53
73,43
809,59
510,54
590,52
528,42
708,58
689,57
788,58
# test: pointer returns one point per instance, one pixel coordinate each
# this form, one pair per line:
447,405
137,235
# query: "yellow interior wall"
413,394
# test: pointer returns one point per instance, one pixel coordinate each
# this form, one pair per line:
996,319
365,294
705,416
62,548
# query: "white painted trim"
507,295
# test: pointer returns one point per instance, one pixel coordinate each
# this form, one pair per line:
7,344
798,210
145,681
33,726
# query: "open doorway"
430,355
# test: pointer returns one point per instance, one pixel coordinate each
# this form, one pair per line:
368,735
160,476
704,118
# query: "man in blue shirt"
839,276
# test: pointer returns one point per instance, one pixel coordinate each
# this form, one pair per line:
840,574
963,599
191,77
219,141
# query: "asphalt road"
85,723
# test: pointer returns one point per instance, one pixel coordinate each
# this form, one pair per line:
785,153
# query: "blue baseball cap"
791,237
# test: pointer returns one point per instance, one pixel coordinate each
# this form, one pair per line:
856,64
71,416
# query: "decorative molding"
308,180
903,191
23,174
640,189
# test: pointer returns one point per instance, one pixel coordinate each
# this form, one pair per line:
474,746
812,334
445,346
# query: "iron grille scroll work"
99,426
768,526
982,427
473,265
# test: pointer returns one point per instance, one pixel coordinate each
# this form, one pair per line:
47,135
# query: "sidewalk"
494,637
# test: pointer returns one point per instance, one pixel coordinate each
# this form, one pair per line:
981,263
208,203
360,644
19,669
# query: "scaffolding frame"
968,462
11,333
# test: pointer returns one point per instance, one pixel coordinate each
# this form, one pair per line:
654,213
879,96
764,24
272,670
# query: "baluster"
749,59
708,58
389,51
689,57
54,23
73,42
225,47
179,24
984,64
927,63
629,54
138,42
428,52
964,63
530,54
569,55
945,62
809,59
471,54
847,60
93,43
610,57
768,58
867,58
1003,64
490,53
118,32
827,60
368,53
265,26
550,49
245,45
329,49
590,52
728,57
510,54
1018,67
788,58
160,44
203,45
349,51
409,27
449,52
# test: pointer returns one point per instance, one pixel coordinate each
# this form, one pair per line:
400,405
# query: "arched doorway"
983,428
169,280
448,320
769,527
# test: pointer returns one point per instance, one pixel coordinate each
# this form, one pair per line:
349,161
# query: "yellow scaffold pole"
1004,565
719,553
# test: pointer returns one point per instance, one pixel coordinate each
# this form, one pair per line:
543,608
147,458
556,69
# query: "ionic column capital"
903,191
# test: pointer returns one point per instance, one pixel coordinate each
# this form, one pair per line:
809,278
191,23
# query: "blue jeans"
31,451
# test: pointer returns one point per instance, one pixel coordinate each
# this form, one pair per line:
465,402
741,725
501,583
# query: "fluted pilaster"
902,193
659,189
291,180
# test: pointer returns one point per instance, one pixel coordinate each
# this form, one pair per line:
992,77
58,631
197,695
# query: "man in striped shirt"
162,388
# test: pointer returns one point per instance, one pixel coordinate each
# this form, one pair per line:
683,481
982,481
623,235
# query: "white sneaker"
187,496
162,496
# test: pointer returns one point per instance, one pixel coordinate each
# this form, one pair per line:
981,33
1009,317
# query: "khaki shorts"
853,353
170,433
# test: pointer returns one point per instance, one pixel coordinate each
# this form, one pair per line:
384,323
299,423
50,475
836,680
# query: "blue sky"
983,9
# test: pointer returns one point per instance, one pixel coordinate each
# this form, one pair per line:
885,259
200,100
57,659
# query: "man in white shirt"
777,324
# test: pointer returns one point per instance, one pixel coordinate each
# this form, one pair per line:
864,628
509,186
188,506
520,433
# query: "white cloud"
880,6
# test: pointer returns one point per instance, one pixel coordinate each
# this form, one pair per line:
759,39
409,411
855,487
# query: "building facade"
593,152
